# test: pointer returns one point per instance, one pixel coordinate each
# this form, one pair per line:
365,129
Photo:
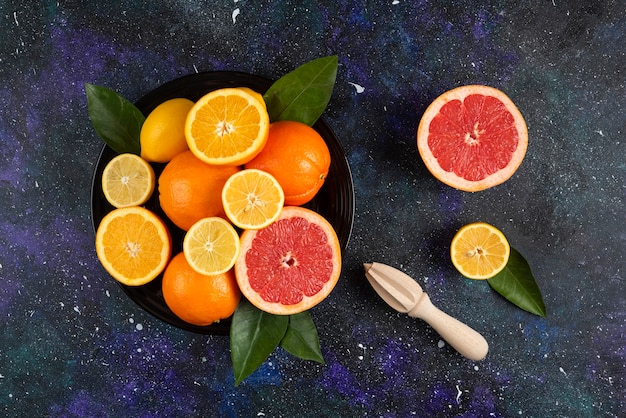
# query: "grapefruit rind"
450,178
307,302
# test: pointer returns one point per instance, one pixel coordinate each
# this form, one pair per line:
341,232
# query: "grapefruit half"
291,265
472,138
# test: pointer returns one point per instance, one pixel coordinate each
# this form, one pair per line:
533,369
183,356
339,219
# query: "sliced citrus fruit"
472,138
127,180
211,246
197,298
291,265
252,199
227,126
133,245
479,251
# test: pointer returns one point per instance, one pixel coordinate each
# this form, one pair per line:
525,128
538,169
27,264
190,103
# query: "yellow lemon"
162,135
479,251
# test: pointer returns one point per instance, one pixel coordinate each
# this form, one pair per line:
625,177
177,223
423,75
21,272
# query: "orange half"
227,126
133,245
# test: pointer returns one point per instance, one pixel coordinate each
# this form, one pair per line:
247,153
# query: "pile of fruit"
237,168
234,182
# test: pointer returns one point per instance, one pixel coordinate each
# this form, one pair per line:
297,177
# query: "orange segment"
211,246
252,199
479,251
133,245
227,126
127,180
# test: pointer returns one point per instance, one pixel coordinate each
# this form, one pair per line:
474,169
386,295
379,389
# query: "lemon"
127,180
479,251
162,135
211,246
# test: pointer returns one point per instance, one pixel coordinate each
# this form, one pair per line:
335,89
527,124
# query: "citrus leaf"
116,120
254,334
303,94
517,284
301,339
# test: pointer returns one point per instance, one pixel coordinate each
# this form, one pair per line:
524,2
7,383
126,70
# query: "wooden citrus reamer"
405,295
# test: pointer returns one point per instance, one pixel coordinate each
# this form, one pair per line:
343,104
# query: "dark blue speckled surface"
73,345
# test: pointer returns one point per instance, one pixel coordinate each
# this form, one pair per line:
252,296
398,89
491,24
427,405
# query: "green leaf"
301,339
254,334
517,284
303,94
116,120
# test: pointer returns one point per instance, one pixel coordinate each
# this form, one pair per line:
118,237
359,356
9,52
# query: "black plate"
334,201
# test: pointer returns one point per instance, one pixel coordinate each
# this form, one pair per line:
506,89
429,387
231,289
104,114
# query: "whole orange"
297,156
190,189
196,298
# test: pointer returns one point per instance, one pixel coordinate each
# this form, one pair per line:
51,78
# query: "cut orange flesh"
133,245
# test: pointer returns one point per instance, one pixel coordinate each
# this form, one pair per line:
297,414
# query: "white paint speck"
15,19
458,394
441,344
562,371
235,14
359,89
476,368
76,309
131,320
395,2
139,327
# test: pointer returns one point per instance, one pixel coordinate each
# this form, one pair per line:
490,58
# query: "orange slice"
133,245
479,251
472,138
252,199
291,265
127,180
211,246
227,126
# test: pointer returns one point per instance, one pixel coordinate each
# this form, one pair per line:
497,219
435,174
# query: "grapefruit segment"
472,138
291,265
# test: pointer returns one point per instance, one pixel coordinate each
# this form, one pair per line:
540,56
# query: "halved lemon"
479,251
127,180
252,199
211,246
227,126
